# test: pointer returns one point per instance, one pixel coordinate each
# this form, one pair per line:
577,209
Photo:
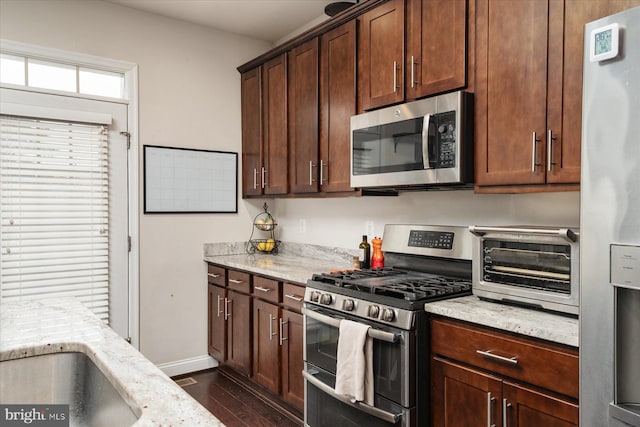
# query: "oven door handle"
371,410
373,333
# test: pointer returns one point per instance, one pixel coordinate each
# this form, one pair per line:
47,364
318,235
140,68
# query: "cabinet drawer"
545,365
267,289
216,275
239,281
292,296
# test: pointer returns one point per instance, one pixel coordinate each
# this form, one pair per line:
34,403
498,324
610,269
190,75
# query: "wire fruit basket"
264,225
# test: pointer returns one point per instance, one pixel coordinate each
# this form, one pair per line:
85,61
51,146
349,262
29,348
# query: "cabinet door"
511,101
217,326
251,83
381,55
266,348
530,408
436,46
239,332
566,51
337,105
274,115
291,337
303,117
463,397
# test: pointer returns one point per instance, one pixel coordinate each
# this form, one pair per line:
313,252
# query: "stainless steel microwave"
423,143
532,266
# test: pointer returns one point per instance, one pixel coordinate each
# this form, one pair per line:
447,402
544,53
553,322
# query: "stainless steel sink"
65,378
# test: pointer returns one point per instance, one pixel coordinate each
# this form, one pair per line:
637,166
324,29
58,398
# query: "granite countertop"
32,328
294,262
524,321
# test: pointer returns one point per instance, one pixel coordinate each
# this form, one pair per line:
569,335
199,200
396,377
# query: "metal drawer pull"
371,410
293,297
260,288
237,282
373,333
227,312
282,323
213,275
488,353
490,400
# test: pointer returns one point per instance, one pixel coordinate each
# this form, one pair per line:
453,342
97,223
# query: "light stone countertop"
33,328
297,263
533,323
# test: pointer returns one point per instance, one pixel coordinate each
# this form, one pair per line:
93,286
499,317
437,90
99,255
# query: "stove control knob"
325,299
314,296
387,315
348,305
374,311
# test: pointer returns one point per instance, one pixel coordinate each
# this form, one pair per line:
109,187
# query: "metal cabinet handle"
505,406
311,166
282,323
322,165
550,139
368,409
219,299
264,172
261,289
227,312
534,140
413,76
395,76
255,178
488,353
490,400
237,282
271,333
213,275
295,298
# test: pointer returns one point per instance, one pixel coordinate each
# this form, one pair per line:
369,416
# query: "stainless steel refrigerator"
610,223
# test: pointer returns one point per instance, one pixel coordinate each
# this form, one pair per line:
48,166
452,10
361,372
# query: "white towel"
354,373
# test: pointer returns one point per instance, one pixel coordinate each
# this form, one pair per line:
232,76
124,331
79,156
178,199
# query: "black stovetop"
396,287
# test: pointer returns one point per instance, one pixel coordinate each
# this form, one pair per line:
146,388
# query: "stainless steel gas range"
422,264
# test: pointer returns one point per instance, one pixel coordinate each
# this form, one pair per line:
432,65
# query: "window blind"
54,203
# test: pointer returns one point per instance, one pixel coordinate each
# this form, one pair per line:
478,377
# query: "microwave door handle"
334,322
425,141
371,410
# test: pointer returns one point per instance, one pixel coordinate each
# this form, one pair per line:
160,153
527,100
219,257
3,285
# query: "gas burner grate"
338,278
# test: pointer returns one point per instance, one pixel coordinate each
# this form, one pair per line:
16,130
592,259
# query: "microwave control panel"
446,137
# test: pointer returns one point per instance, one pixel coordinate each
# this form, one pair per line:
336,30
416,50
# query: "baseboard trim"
184,366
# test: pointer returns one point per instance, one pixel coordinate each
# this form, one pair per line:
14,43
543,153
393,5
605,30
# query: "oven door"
393,358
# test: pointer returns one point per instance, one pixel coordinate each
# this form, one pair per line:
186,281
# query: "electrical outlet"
302,226
368,226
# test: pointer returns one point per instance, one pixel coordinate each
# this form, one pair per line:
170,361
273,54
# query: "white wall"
201,109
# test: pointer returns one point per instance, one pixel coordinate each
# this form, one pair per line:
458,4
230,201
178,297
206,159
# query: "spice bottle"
377,258
365,253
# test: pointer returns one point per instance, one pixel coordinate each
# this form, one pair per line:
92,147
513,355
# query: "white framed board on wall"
184,180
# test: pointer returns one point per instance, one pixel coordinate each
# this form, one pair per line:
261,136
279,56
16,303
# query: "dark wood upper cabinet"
251,84
529,58
436,47
337,105
381,55
274,125
303,117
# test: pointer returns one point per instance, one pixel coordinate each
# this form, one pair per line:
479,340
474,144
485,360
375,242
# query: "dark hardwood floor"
233,403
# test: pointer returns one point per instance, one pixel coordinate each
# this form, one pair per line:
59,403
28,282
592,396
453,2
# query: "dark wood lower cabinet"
217,341
239,332
484,377
266,347
292,359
